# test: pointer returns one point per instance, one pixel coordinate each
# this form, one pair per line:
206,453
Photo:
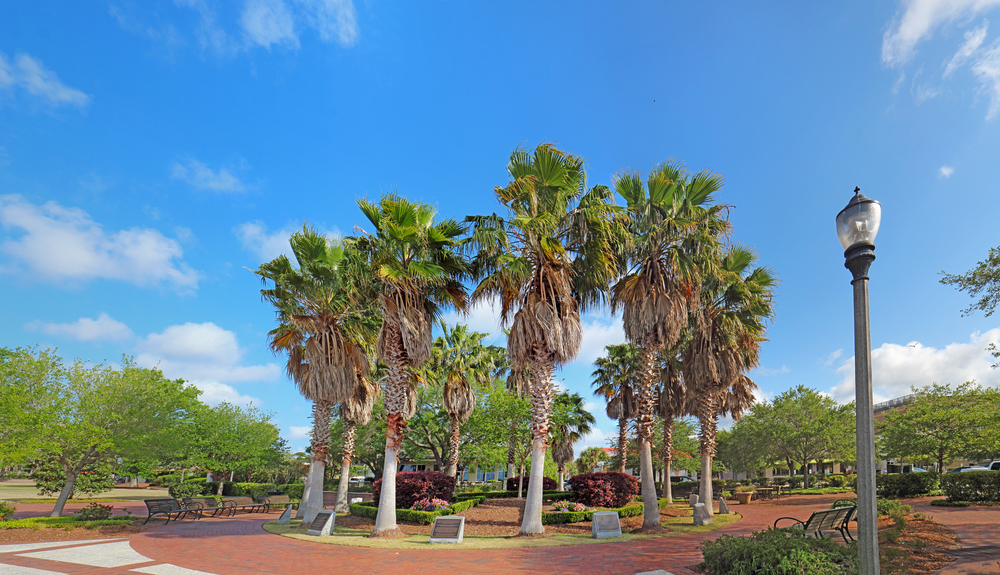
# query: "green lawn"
27,493
65,522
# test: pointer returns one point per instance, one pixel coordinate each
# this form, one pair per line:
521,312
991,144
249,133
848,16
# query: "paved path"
977,527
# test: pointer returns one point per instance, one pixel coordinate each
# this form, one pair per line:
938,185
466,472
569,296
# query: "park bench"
242,503
270,501
205,504
169,507
836,519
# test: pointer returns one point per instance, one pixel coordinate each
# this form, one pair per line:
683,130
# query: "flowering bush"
605,489
433,504
412,486
6,509
94,511
567,506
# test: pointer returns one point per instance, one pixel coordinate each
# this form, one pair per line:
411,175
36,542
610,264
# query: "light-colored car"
357,479
974,468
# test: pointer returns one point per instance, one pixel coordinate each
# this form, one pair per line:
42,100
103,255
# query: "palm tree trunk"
456,431
510,460
644,424
668,457
520,482
541,407
622,442
562,475
707,436
320,450
395,405
301,512
345,467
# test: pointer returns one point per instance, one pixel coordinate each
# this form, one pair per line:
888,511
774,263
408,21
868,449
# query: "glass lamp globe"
859,221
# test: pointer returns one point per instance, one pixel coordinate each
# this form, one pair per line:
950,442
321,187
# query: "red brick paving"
975,526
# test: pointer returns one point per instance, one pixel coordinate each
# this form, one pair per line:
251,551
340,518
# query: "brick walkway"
977,527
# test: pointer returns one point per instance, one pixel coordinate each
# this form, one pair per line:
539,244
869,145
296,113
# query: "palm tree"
324,326
459,359
518,381
416,269
669,222
550,258
570,422
354,412
729,324
670,404
615,381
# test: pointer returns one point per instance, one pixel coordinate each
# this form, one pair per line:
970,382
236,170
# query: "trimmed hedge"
630,510
883,506
370,509
415,485
254,490
688,487
510,495
293,490
548,484
612,489
972,486
906,484
181,490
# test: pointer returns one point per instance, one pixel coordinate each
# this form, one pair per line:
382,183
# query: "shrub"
6,509
434,504
839,480
745,488
777,552
884,506
972,486
604,489
762,482
730,484
414,485
565,506
182,490
795,481
688,487
293,490
907,484
95,512
254,490
209,487
548,484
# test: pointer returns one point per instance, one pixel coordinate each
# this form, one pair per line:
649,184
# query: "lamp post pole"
857,225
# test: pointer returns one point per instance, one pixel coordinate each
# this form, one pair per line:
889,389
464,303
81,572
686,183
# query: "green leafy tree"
50,477
591,459
29,382
942,424
983,282
547,260
231,439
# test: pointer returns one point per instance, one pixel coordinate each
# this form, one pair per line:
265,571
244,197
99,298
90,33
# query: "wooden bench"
242,503
275,501
208,503
836,519
169,507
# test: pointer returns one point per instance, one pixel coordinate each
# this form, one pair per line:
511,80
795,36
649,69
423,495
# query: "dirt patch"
8,536
502,518
919,547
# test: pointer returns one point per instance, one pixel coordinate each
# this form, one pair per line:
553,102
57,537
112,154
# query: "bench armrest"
797,521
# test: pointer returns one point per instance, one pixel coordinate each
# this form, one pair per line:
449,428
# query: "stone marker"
286,517
694,500
605,524
356,500
323,524
701,516
723,506
448,529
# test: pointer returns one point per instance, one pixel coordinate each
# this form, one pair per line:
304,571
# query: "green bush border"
369,509
66,521
509,495
630,510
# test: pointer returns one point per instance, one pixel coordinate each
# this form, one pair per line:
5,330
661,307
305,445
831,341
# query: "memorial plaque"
605,524
693,499
701,516
448,529
723,506
322,525
286,517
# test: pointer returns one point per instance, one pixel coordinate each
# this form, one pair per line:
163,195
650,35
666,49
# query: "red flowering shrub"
604,489
414,485
548,484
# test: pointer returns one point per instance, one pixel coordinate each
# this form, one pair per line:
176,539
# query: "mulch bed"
502,518
9,536
921,549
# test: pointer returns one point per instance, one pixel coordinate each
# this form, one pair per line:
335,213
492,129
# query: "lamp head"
859,221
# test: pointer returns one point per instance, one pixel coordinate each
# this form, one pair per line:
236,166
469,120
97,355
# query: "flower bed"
630,510
370,509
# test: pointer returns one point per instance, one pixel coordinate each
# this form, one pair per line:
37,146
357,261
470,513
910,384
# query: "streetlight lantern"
857,225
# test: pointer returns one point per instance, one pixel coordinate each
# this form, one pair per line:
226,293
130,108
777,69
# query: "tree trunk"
805,474
396,407
542,393
65,493
707,436
562,482
301,512
456,431
668,457
510,461
622,442
320,450
385,521
644,426
218,490
520,482
705,491
345,468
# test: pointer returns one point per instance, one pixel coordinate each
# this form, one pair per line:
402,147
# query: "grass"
359,537
818,491
28,493
65,522
77,500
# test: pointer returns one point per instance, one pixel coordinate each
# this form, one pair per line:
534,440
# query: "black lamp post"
857,225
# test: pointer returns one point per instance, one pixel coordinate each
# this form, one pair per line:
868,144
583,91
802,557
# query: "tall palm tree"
354,412
417,268
615,381
459,361
729,323
669,220
547,260
324,325
670,404
570,422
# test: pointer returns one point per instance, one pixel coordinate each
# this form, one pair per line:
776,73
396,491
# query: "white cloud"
895,368
298,432
596,438
833,357
763,371
483,317
209,33
268,22
85,329
333,19
599,331
30,75
973,40
205,355
62,244
203,178
946,171
268,245
987,72
919,20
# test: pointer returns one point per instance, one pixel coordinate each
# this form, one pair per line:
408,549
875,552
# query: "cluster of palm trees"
688,299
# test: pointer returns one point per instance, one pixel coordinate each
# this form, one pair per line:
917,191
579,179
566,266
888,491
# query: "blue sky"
152,151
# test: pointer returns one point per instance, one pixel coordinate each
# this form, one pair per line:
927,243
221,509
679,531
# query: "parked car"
994,465
975,468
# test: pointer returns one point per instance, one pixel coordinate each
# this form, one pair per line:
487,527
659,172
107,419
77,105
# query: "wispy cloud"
30,75
201,177
255,238
946,171
333,19
919,19
103,328
973,40
833,357
64,245
764,371
987,72
268,22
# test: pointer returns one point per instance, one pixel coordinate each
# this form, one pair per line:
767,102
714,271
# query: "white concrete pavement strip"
17,570
16,547
116,554
168,569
